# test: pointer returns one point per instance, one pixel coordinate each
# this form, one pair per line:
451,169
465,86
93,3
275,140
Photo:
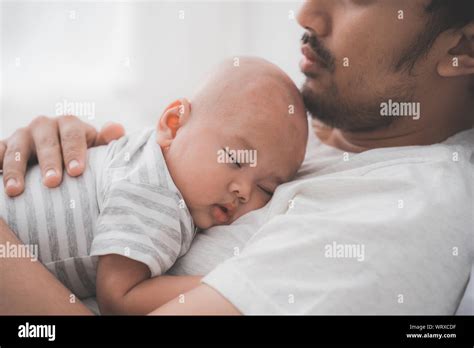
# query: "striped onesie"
125,203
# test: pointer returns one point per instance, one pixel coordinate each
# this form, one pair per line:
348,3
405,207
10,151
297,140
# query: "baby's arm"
124,286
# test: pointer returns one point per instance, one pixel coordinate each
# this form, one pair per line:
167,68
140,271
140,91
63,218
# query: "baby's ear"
174,117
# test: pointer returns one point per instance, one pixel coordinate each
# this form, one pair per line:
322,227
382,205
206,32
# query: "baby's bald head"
242,134
248,82
255,99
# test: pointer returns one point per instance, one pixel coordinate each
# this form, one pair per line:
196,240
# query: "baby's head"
241,135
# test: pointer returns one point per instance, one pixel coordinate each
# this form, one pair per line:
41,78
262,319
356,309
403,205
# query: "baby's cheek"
204,189
263,198
258,201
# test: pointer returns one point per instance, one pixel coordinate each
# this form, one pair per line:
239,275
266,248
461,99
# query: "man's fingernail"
50,172
73,164
11,182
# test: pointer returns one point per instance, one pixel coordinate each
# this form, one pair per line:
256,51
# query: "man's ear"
174,117
459,60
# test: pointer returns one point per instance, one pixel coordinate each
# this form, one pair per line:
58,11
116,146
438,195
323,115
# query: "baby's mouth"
222,213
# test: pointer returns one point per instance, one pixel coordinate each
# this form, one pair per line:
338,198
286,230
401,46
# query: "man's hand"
52,141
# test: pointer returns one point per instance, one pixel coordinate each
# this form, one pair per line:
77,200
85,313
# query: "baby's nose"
242,191
243,195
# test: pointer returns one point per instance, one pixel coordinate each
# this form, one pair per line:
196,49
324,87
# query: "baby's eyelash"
232,159
270,193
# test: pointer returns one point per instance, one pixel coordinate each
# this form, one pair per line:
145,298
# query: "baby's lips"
219,215
231,208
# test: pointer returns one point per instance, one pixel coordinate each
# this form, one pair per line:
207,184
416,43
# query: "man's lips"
310,61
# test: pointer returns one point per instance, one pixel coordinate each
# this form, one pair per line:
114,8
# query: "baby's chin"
202,220
205,220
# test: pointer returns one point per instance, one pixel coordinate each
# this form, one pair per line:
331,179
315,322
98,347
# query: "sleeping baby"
135,210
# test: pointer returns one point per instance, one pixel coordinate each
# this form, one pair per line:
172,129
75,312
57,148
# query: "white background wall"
130,58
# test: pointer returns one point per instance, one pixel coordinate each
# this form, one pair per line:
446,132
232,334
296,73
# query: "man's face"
351,50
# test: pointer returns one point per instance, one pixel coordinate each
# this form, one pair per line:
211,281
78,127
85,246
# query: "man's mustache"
323,54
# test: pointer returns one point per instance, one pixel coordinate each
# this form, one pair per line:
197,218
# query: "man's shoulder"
455,155
406,186
322,159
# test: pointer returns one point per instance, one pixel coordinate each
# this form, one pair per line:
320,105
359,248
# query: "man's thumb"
110,131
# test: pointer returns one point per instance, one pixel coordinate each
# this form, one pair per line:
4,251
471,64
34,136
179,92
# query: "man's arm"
28,288
202,300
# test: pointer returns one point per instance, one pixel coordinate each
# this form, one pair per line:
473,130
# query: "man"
379,219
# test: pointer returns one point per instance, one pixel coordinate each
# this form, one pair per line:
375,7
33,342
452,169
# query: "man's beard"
344,111
338,111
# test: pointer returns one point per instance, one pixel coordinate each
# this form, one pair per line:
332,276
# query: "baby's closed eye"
266,191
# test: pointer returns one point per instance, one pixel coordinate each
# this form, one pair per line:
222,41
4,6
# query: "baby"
136,208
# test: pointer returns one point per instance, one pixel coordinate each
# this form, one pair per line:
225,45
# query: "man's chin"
330,109
313,101
315,83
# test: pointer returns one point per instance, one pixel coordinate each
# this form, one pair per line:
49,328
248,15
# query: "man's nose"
314,15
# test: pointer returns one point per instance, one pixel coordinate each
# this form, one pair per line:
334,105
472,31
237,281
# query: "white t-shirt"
387,231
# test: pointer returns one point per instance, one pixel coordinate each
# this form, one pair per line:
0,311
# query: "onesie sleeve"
142,222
